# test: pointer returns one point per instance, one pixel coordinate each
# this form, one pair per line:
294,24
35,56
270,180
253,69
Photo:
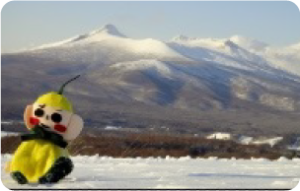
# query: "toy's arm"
26,116
27,113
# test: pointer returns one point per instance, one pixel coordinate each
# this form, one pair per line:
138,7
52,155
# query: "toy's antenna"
67,82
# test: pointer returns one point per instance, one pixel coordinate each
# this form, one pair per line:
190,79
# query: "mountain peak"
248,43
180,38
108,29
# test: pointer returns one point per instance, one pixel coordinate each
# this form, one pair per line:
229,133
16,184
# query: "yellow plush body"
42,156
34,158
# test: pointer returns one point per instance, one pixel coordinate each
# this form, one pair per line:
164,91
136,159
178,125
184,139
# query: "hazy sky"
28,24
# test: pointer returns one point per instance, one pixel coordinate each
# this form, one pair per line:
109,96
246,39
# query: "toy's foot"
19,177
61,168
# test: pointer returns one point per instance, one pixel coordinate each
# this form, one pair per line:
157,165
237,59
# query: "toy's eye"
39,112
56,117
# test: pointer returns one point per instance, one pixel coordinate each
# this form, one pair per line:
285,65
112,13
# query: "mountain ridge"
229,51
184,75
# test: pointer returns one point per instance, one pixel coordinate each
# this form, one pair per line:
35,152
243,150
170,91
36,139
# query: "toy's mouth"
44,126
59,128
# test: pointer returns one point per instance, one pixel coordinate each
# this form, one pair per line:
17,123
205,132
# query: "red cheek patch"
60,128
34,121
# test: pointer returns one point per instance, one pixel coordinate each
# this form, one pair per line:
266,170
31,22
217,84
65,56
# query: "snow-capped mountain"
221,51
241,52
186,73
109,45
106,45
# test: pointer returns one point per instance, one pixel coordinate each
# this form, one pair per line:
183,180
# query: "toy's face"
50,118
62,122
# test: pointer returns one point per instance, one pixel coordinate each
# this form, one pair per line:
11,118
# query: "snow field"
107,172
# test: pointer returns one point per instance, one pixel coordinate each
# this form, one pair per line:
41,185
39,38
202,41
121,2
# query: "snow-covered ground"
246,140
106,172
6,122
6,133
220,136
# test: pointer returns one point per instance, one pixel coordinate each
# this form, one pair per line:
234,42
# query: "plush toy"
42,156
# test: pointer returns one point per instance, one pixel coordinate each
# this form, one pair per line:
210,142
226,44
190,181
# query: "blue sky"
28,24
